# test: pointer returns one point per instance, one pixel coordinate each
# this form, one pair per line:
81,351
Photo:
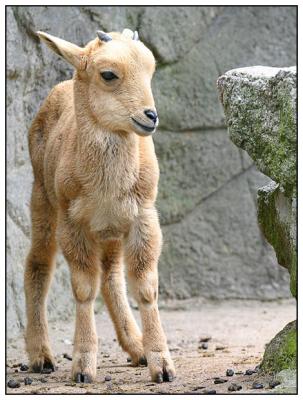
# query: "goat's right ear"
70,52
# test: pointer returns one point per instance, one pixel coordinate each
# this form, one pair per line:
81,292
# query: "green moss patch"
277,225
281,352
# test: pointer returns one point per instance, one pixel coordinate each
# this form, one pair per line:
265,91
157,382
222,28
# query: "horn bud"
104,37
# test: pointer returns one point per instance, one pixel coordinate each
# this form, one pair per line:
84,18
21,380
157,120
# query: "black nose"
151,115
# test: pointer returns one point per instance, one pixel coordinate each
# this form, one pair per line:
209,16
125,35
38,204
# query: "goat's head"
116,70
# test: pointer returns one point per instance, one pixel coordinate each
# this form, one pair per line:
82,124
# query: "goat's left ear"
70,52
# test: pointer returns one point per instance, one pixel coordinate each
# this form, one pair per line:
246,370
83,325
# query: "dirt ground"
238,329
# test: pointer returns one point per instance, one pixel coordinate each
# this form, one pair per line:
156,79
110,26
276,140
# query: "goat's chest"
109,204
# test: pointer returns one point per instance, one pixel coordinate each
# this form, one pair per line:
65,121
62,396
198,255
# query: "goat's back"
58,102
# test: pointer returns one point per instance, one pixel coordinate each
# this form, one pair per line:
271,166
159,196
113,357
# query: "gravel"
220,380
234,387
28,381
257,385
13,384
230,372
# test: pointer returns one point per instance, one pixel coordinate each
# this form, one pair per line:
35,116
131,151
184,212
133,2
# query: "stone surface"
260,108
217,248
186,161
260,105
288,379
281,352
201,197
277,215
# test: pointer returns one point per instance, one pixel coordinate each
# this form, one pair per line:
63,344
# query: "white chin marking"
142,132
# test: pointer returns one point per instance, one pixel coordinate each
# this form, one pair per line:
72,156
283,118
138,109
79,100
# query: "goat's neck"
97,149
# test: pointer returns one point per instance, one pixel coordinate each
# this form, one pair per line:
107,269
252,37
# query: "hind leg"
37,278
114,295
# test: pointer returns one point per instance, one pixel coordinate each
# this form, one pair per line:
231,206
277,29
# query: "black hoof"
46,366
83,378
143,361
167,377
159,377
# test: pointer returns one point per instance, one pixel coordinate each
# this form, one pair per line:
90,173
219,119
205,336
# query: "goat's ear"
69,51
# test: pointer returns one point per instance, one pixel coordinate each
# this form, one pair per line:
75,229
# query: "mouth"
144,127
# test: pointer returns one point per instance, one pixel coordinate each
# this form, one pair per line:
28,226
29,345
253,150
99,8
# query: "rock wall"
260,105
207,194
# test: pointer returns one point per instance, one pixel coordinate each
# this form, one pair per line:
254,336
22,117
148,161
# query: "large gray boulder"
260,105
207,187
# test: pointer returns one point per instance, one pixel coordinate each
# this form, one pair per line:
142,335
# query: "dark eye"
108,76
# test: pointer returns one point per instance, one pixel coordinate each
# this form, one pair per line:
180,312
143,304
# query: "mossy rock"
260,109
277,218
281,352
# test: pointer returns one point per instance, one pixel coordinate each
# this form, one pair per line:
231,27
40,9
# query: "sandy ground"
240,329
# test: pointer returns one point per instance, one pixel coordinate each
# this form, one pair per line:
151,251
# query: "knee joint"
145,291
84,287
147,295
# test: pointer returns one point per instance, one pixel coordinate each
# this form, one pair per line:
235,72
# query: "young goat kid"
95,184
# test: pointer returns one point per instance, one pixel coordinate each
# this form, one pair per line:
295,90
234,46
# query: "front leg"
142,250
84,265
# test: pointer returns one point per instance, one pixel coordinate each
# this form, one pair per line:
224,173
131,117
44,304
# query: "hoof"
42,366
143,361
83,378
164,377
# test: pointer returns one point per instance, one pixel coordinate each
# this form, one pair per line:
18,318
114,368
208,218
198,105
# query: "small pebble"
106,356
43,380
220,380
107,378
13,384
16,370
212,391
234,387
198,388
257,385
23,367
219,347
204,339
230,372
273,384
203,346
28,381
67,356
249,372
